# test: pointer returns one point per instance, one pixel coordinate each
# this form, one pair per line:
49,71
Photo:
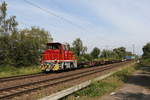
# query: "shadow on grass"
145,68
141,78
132,96
143,65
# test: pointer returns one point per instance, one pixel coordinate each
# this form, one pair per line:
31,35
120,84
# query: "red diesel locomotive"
57,57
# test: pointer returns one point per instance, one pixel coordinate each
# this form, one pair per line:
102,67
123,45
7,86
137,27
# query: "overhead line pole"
133,46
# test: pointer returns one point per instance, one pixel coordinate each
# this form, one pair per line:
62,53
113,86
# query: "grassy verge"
6,71
145,62
99,88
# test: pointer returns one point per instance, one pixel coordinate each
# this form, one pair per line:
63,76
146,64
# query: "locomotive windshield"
53,46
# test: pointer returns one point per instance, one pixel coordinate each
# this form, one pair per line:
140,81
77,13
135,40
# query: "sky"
105,24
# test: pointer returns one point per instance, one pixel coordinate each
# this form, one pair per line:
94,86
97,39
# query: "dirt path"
137,88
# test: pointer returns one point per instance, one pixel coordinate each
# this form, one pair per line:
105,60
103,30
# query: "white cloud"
129,19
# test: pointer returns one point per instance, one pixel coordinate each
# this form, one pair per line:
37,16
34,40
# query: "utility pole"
134,55
133,47
133,51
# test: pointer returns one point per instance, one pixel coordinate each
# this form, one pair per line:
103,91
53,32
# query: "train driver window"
54,47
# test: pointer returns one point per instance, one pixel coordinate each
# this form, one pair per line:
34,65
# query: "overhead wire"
53,14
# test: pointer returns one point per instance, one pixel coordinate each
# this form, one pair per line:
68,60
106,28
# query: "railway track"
4,79
12,91
13,78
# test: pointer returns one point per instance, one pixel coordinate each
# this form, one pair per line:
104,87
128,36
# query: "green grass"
145,62
6,71
99,88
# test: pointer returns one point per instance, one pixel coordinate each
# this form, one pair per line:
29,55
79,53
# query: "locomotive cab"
57,57
53,46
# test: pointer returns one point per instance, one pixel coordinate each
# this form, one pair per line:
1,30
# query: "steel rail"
11,78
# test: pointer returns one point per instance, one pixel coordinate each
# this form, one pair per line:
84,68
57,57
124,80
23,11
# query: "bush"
145,62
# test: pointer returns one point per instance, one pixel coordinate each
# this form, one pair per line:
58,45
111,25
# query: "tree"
38,36
121,52
78,47
7,25
129,53
67,45
85,57
146,51
5,49
95,53
106,53
31,43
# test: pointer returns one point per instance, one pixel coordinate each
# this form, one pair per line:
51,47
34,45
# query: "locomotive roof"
57,43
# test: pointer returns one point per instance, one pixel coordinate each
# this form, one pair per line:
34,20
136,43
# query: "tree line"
96,54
